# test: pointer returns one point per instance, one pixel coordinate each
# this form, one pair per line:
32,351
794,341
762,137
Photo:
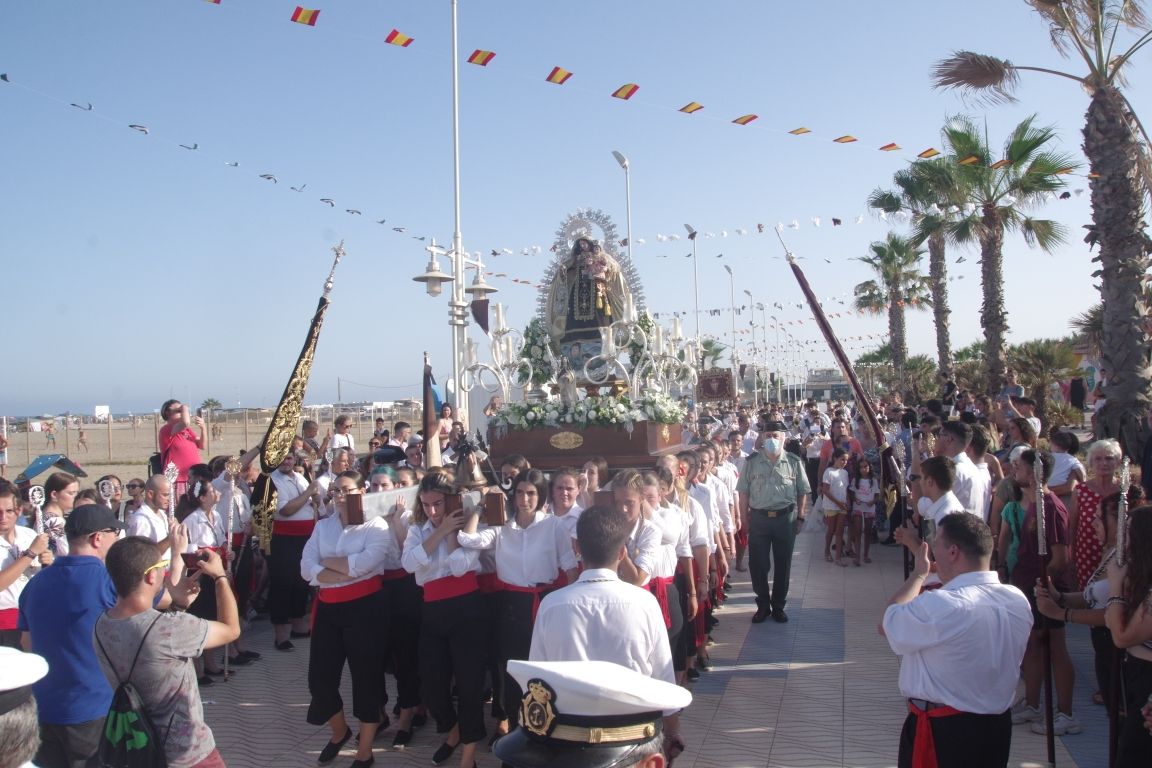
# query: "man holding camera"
773,499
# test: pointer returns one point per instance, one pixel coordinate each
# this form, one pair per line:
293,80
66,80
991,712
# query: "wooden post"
109,421
247,446
156,429
27,442
67,437
208,438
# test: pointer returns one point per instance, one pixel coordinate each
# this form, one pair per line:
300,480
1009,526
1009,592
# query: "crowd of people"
441,600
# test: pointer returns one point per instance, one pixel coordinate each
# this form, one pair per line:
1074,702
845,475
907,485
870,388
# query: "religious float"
597,375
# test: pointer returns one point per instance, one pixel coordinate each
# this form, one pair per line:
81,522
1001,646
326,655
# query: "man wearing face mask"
773,500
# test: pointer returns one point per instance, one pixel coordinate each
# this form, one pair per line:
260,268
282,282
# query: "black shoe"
692,675
298,635
703,663
419,720
396,708
332,748
239,661
285,646
384,723
363,763
443,752
727,586
760,616
216,672
780,617
250,655
205,681
401,739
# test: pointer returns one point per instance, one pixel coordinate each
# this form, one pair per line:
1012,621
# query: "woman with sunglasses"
345,557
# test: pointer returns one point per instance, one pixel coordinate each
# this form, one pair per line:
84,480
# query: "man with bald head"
150,520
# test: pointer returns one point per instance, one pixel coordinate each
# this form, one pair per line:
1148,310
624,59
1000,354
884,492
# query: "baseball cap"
91,518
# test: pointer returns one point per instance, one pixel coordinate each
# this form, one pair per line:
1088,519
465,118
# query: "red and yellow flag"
745,119
396,37
890,147
626,91
930,152
558,75
691,107
800,131
480,57
214,2
845,139
970,160
304,15
1000,164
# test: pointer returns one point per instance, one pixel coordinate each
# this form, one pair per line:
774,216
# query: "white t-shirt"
1062,466
837,481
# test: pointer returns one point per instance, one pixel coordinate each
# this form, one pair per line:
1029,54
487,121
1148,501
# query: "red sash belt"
537,592
238,539
394,574
293,527
349,592
9,618
489,583
659,587
450,586
924,747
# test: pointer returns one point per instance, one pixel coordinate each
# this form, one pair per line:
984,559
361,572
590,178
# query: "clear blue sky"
135,269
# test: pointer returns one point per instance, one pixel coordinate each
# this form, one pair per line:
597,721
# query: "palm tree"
898,284
1088,30
1040,363
970,369
1089,326
998,192
921,191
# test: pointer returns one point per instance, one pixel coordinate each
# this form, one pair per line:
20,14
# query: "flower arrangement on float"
604,411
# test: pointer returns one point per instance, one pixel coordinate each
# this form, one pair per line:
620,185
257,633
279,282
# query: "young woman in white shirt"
454,626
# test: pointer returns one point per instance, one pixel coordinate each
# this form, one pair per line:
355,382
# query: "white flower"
530,416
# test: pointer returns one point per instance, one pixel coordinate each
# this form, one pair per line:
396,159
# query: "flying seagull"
269,177
194,146
331,203
87,108
140,128
299,188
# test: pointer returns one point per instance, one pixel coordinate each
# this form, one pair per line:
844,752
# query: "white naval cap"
18,671
584,713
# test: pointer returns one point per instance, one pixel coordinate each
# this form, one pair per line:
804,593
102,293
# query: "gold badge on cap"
538,715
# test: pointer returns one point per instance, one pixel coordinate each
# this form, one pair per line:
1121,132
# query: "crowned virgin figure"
589,293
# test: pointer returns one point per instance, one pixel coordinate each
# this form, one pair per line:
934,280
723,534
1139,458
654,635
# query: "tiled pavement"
817,692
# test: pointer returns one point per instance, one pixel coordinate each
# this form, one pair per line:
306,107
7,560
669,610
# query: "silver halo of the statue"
107,489
36,497
584,222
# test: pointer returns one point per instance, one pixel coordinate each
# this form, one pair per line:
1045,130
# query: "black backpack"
130,739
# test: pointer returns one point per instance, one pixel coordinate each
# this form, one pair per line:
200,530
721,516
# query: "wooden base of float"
554,447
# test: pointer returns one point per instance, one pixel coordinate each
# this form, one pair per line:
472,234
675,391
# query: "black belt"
771,513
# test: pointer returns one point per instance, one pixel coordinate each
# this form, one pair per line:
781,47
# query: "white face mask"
772,446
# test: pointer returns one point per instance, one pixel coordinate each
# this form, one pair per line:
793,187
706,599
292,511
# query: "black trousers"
515,642
492,666
287,592
454,646
10,638
770,542
963,741
812,469
1135,749
1103,653
677,630
352,632
70,746
405,607
242,560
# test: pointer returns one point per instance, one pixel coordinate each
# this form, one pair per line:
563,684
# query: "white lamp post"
623,161
732,309
695,275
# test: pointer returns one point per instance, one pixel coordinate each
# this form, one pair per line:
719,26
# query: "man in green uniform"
773,497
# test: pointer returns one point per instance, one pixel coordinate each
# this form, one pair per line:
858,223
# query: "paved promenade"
817,692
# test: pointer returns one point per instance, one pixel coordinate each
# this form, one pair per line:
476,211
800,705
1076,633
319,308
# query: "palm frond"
1045,233
885,200
976,75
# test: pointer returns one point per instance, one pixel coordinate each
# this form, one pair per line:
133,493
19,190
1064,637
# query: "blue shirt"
59,607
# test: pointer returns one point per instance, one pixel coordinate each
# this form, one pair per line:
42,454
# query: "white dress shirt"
935,510
148,523
441,563
973,487
569,518
343,441
702,494
241,507
600,618
644,547
669,520
9,554
289,485
961,645
724,499
204,533
364,545
526,557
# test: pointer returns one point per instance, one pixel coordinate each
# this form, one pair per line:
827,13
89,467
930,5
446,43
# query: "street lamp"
695,275
732,309
623,161
752,327
433,278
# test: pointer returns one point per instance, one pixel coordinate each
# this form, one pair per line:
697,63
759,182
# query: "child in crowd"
834,486
864,491
1067,471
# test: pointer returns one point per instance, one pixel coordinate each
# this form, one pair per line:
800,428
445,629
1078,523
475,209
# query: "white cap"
18,671
1015,452
590,688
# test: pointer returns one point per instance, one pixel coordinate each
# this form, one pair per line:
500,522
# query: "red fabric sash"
703,602
560,581
536,592
450,586
349,592
659,587
237,539
924,746
394,574
489,583
9,618
742,539
293,527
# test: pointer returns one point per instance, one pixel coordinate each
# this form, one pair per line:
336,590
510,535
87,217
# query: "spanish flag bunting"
691,107
396,37
214,2
970,160
745,119
799,131
846,139
480,57
930,152
890,147
558,75
1000,164
625,91
304,15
